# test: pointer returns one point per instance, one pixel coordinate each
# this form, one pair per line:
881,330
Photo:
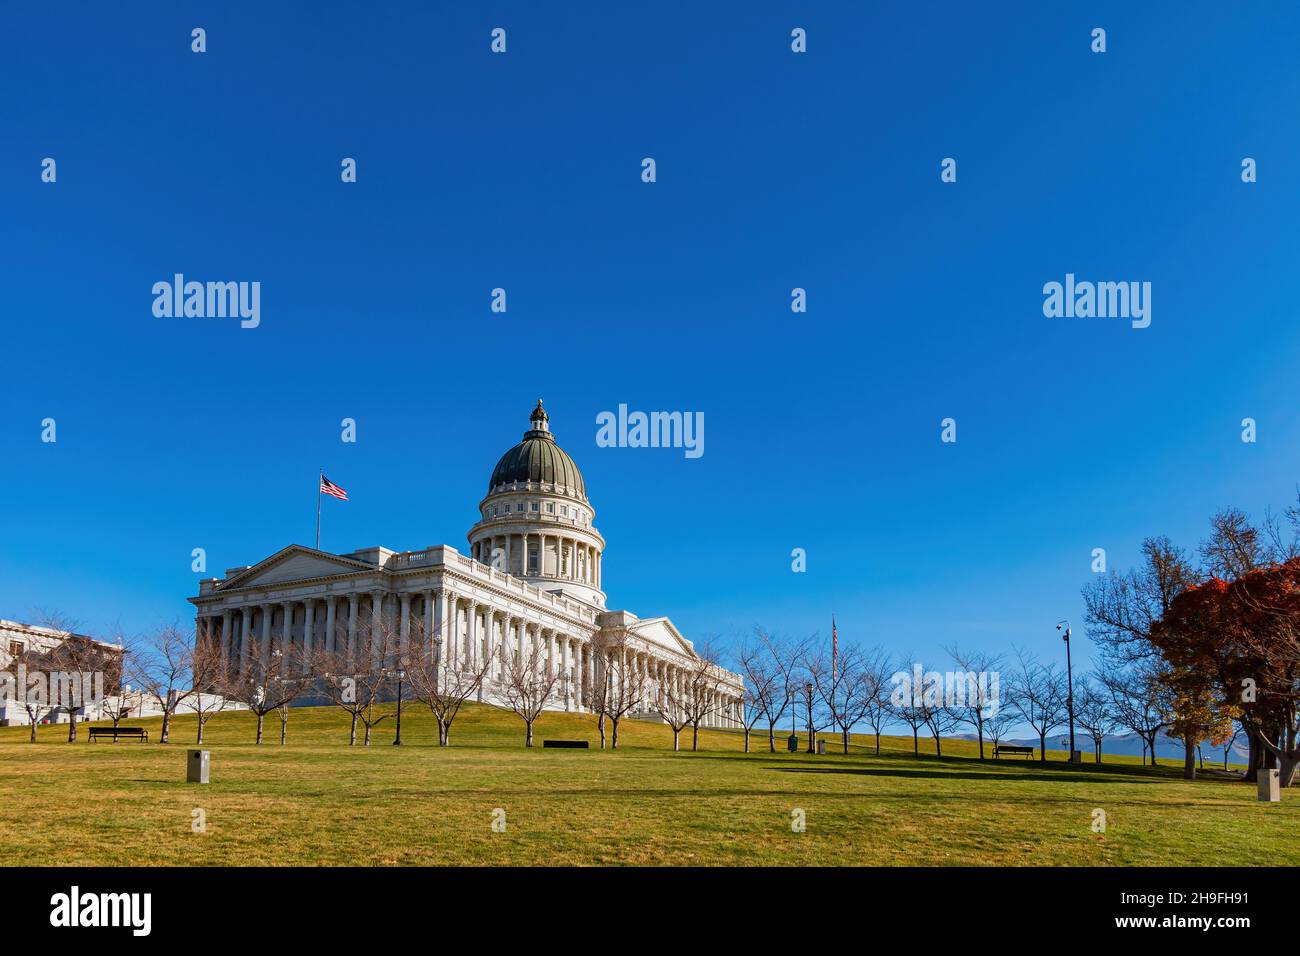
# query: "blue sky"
522,171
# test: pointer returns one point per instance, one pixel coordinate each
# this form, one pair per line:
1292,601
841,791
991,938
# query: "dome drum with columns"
533,579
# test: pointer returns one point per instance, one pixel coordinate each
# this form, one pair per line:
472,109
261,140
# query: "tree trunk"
528,737
284,731
442,733
1152,745
600,723
352,739
165,736
846,742
32,723
1189,757
1252,755
979,729
260,718
677,739
877,743
1042,747
916,744
72,726
695,737
938,751
199,739
366,743
746,739
771,737
614,738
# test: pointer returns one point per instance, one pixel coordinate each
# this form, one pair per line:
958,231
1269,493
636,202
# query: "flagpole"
318,481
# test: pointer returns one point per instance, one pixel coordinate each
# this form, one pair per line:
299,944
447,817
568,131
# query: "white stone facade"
533,578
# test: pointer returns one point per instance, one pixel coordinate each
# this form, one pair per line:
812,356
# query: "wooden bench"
1013,750
126,733
577,744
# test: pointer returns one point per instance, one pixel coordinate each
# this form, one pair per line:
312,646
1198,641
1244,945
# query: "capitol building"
533,577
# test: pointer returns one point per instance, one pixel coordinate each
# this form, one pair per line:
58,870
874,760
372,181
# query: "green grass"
318,801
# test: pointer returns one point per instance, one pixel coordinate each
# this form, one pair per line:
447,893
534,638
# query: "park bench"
1014,750
582,744
126,733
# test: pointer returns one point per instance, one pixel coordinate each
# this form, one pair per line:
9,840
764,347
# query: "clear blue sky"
774,171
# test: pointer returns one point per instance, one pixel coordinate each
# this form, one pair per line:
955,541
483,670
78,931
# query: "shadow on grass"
953,773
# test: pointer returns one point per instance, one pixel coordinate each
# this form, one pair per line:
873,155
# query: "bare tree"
211,677
975,705
704,681
439,681
673,705
876,708
1121,609
906,700
847,686
73,662
164,668
626,686
1094,713
29,669
764,682
998,723
270,681
528,683
1039,693
1139,698
1227,745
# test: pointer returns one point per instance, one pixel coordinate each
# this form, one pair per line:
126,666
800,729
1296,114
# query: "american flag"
835,649
328,487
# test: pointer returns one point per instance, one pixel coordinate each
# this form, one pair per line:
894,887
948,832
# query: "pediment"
660,631
295,563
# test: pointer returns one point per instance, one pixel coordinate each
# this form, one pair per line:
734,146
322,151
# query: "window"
564,509
519,507
550,507
534,506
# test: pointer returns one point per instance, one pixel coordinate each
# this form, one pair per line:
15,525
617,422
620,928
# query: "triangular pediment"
294,563
660,631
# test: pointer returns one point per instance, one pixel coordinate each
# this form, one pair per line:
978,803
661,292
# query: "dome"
538,459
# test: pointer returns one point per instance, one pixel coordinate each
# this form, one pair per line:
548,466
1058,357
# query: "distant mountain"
1130,745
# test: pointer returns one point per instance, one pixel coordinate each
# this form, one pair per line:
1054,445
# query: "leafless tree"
1094,713
846,685
626,686
358,677
270,681
440,681
211,678
941,719
1139,698
596,692
1039,694
999,723
528,683
703,683
906,701
1227,745
29,670
763,686
674,707
164,667
73,663
976,703
1121,608
877,711
780,658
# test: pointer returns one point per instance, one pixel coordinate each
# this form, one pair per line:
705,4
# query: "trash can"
794,743
1269,783
821,746
196,768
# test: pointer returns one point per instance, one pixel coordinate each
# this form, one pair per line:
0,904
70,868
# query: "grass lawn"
318,801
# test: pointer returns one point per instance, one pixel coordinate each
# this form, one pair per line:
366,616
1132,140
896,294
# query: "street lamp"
1069,683
397,741
807,690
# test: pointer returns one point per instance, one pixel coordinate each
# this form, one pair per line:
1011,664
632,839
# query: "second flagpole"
320,475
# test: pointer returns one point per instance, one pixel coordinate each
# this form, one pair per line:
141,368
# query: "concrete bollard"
1270,786
196,768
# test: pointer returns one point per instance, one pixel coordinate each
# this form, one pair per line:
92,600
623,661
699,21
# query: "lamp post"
397,741
1069,682
807,691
